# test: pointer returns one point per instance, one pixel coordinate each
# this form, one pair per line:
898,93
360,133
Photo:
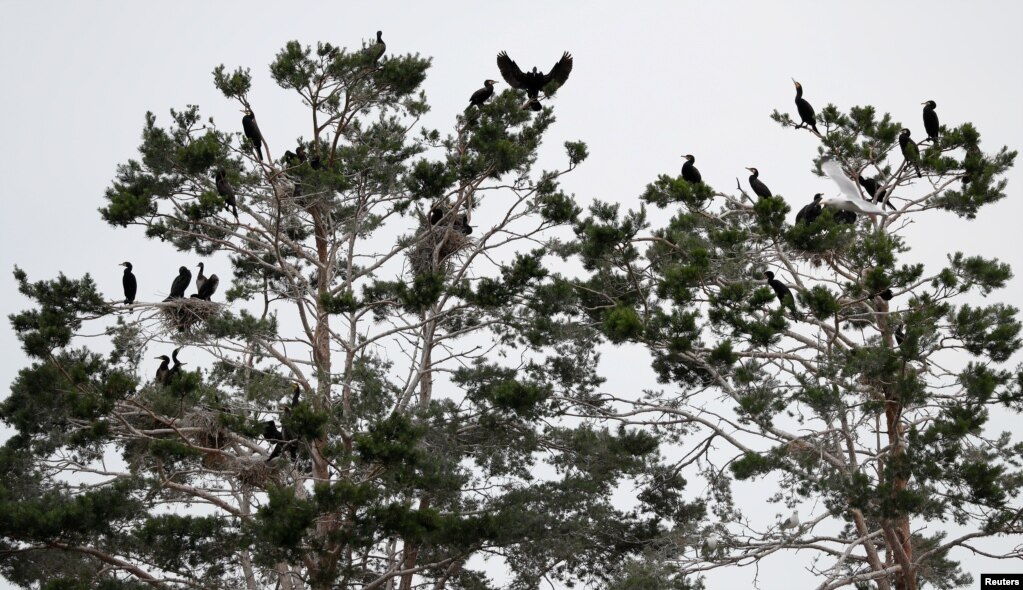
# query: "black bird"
284,438
130,285
462,225
200,278
872,186
480,96
758,187
689,172
900,335
377,49
806,113
436,214
931,120
783,293
886,294
163,373
533,82
225,190
300,153
174,370
180,284
810,212
209,287
251,129
909,150
843,216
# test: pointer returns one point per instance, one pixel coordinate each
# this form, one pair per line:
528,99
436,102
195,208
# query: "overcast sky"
652,80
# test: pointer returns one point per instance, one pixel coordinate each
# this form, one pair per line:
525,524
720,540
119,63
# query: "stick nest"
182,315
442,244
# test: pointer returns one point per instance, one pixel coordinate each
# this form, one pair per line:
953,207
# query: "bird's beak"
925,102
750,169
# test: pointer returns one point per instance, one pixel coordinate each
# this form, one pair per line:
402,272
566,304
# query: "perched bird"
886,294
180,284
909,150
480,96
300,153
251,129
931,120
128,282
462,226
436,214
163,372
810,212
900,335
791,522
225,190
200,278
784,294
850,199
285,439
712,541
842,216
377,49
533,82
758,187
209,287
176,368
873,188
806,113
689,172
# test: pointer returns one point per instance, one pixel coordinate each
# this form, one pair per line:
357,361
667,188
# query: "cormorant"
533,82
480,96
783,293
377,49
843,216
462,226
689,172
758,187
163,373
900,335
806,113
909,150
931,120
300,153
251,129
209,287
284,438
200,278
886,294
180,284
225,190
174,370
810,212
436,214
130,285
873,188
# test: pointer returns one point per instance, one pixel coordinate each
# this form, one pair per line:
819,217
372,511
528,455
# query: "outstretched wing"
559,73
510,71
834,171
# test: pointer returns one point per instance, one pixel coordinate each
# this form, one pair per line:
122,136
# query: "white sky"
652,80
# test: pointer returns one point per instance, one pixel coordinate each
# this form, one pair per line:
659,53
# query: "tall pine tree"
385,395
866,403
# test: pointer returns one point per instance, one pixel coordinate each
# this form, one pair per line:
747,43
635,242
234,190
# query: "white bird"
850,199
791,522
712,541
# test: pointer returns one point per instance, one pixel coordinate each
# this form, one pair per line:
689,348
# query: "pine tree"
871,405
384,397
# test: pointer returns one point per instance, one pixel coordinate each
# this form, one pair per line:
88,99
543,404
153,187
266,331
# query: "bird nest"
208,432
181,315
441,244
256,473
